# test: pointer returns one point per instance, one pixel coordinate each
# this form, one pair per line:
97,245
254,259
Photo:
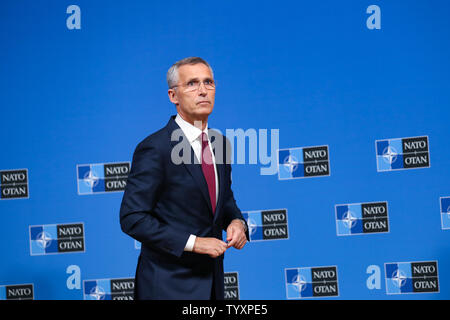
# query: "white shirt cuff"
190,243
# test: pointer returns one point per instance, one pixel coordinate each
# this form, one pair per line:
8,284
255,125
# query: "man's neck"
198,123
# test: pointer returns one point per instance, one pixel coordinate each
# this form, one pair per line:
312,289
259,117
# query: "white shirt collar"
191,132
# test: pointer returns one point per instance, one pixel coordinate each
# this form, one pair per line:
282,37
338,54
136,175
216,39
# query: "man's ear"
173,96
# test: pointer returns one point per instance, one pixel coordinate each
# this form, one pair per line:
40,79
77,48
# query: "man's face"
197,104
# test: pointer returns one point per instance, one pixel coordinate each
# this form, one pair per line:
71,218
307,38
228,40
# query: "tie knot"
204,137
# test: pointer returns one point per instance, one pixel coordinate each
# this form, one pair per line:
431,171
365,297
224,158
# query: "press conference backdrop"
358,203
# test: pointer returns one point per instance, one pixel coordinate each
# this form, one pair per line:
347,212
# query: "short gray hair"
172,74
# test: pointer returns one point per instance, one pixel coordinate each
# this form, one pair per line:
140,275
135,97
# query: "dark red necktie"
208,170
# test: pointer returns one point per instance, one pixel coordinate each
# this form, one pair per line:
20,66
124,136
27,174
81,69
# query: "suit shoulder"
156,139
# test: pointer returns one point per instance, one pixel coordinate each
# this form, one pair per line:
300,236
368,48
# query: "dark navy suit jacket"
163,204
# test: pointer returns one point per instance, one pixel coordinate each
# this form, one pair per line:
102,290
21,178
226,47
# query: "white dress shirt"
193,134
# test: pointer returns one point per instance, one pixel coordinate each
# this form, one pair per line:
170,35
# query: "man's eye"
208,82
191,83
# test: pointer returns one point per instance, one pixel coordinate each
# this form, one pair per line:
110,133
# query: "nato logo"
102,177
311,282
402,153
56,238
445,212
411,277
361,218
14,184
17,292
305,162
231,284
267,224
109,289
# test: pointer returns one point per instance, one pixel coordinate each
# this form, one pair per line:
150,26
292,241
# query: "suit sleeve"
231,210
137,218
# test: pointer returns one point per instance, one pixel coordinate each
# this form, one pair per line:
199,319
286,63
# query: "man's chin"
204,110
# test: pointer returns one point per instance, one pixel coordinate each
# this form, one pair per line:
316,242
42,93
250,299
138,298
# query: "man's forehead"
198,70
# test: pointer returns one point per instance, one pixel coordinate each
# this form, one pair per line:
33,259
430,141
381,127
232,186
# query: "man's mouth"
204,102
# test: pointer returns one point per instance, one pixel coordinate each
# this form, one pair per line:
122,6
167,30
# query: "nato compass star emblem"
252,226
97,293
299,283
389,154
290,163
90,179
399,278
349,219
43,239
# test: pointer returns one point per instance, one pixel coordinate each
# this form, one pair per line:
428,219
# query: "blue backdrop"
314,70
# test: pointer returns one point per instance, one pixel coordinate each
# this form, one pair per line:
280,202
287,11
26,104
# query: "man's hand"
236,234
210,246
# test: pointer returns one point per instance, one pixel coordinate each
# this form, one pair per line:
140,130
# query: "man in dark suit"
178,197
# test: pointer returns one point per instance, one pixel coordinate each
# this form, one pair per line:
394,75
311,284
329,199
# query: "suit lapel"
220,176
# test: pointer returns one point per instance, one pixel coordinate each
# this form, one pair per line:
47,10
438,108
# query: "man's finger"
240,241
234,238
230,233
223,245
231,243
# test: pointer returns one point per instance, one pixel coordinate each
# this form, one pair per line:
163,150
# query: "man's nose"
202,89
